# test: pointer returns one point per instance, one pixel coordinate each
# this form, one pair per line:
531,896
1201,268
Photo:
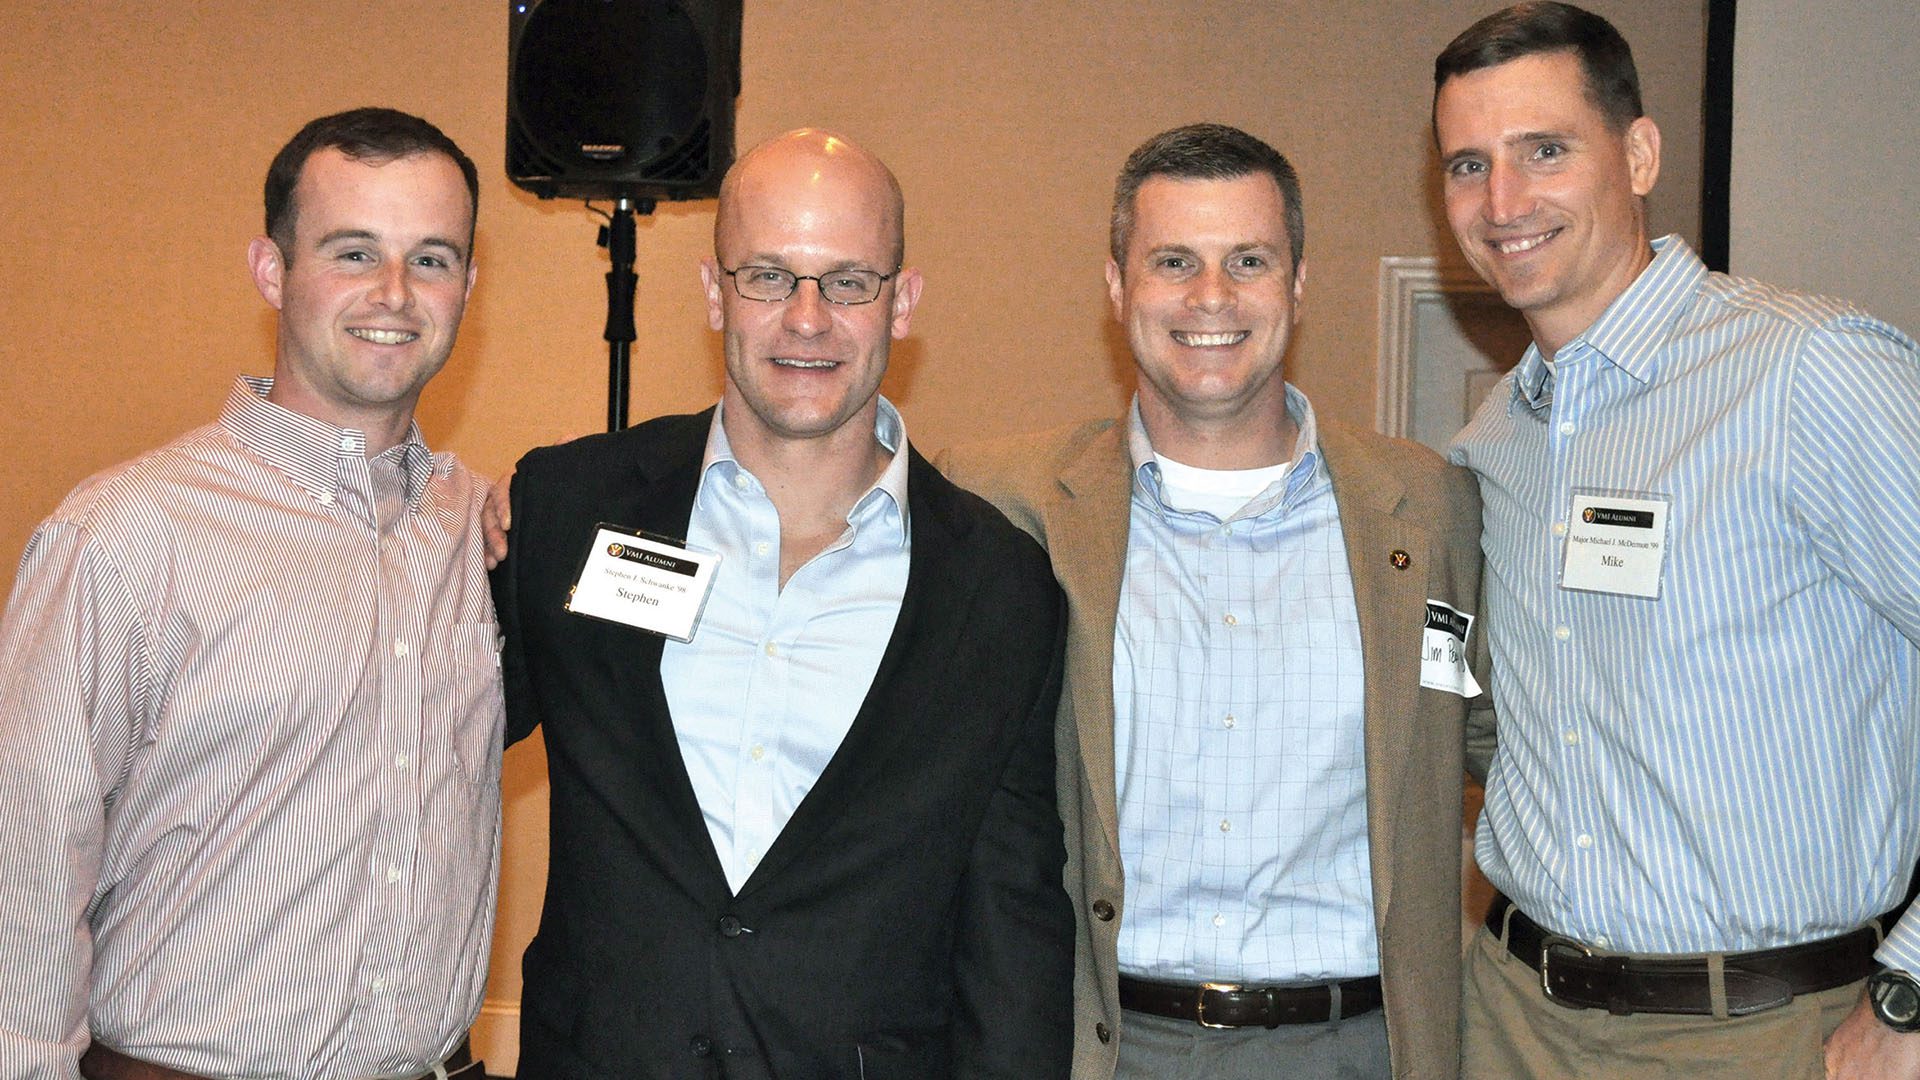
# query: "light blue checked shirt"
1736,764
768,688
1238,696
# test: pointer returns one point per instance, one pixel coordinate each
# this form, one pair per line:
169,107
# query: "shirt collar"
885,501
1304,461
1625,334
308,450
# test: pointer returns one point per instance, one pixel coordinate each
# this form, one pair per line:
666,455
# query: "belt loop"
1717,984
1506,923
439,1070
1333,1002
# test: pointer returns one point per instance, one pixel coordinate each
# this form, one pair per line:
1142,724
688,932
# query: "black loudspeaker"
612,99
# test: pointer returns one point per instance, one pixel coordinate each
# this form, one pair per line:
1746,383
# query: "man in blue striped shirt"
1701,496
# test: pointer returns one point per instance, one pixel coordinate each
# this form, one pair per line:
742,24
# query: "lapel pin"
1400,559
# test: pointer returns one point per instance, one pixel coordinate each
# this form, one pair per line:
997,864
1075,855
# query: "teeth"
1232,337
384,337
784,361
1527,243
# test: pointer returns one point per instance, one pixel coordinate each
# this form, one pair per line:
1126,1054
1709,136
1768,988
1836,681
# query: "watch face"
1896,999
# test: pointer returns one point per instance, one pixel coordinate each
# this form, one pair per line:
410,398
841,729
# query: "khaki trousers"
1511,1031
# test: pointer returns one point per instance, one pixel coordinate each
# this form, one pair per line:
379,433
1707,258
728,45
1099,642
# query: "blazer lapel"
659,500
1086,527
1389,592
935,584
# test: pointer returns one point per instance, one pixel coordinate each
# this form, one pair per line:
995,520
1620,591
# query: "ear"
710,282
1116,289
1299,287
269,269
1643,154
906,297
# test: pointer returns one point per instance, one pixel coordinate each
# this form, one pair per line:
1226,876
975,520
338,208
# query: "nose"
1509,198
391,287
1210,291
806,313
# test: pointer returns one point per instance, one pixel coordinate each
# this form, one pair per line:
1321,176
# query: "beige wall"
1825,193
136,133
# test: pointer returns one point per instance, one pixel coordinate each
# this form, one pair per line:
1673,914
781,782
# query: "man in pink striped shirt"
250,710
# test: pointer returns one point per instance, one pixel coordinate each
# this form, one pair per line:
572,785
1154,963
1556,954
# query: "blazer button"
1101,1032
1103,911
701,1046
730,926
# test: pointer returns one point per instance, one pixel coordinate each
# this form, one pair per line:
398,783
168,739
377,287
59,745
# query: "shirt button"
731,926
1230,620
393,874
740,481
379,986
1584,840
1219,920
772,649
762,548
1229,721
759,753
399,648
1562,633
1603,942
1566,427
399,761
325,497
1559,528
1572,738
1225,825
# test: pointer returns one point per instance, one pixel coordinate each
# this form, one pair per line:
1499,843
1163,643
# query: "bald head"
801,176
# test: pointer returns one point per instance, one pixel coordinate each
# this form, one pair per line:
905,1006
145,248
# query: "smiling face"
1209,298
802,368
1542,195
371,293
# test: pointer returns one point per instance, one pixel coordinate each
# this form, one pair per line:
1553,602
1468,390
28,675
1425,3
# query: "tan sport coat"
1412,526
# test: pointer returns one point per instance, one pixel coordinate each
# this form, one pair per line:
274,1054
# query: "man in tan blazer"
1270,659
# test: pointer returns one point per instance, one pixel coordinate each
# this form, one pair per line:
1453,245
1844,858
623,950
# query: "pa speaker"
611,99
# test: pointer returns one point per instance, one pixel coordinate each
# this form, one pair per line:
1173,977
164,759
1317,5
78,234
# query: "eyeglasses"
771,284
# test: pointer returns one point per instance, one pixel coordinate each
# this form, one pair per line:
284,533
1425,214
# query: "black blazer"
909,922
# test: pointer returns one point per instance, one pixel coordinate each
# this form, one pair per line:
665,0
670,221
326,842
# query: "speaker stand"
617,236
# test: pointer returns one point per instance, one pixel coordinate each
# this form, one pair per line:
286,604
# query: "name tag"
644,582
1443,651
1616,543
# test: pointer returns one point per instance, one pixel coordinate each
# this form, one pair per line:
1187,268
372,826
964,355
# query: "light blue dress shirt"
1238,707
1736,764
771,682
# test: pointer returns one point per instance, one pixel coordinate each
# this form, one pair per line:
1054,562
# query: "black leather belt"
1229,1005
1572,974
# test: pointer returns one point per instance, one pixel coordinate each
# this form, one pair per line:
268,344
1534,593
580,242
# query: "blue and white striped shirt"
1239,694
1736,764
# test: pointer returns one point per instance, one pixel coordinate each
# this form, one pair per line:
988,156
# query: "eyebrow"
338,235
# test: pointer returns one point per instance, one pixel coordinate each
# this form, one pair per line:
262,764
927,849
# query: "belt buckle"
1200,1006
1547,945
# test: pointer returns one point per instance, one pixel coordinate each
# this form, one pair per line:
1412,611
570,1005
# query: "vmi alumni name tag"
1616,543
1443,651
644,582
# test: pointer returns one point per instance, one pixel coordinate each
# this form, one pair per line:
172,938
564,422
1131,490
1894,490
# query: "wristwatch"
1896,999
